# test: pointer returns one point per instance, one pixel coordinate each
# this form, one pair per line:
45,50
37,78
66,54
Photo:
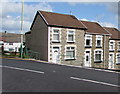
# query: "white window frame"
101,54
118,45
97,37
86,37
58,33
66,50
117,58
73,34
112,44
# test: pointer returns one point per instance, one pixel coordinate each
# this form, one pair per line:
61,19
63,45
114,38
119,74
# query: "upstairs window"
10,43
111,45
118,45
99,41
88,40
56,35
71,36
70,53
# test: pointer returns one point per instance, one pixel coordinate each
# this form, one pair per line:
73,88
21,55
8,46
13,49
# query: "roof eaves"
67,27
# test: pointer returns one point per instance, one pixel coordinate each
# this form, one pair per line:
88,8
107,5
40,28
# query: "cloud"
11,15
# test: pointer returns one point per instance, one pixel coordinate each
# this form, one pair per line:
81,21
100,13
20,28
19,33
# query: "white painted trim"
113,44
86,35
70,46
116,58
101,40
74,32
48,44
118,44
59,52
112,60
54,28
85,56
101,54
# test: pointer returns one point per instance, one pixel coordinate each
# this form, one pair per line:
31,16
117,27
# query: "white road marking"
98,82
23,69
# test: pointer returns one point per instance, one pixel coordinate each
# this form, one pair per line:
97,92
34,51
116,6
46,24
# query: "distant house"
59,38
10,41
96,45
114,48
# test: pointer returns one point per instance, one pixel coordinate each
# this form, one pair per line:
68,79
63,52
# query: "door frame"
59,46
113,61
89,56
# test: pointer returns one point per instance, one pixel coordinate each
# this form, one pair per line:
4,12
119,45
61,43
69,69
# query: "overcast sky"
10,16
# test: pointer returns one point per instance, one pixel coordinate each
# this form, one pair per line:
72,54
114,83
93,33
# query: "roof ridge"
56,13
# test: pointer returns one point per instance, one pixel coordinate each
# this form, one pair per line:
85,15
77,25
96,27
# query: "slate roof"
11,37
114,31
94,27
61,20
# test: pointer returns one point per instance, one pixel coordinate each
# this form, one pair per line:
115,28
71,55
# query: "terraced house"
114,48
96,45
59,38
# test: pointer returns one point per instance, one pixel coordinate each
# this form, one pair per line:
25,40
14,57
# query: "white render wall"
15,47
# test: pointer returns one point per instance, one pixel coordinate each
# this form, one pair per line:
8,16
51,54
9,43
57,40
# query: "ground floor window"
118,58
70,52
98,55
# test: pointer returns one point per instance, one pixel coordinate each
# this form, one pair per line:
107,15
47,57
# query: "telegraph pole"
22,14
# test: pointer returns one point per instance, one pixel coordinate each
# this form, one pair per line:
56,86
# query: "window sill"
70,41
55,41
111,50
117,63
97,61
98,46
88,46
68,59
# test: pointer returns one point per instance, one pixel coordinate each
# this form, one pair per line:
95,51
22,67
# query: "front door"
111,61
55,54
87,59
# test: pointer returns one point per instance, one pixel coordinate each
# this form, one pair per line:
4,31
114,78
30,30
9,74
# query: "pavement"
33,76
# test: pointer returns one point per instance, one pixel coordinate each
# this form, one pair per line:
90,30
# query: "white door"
111,61
55,54
87,59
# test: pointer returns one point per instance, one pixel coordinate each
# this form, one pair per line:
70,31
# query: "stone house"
59,38
114,48
96,45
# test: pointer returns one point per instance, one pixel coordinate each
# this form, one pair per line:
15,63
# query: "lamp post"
22,14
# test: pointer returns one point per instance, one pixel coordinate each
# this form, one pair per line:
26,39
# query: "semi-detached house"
59,38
